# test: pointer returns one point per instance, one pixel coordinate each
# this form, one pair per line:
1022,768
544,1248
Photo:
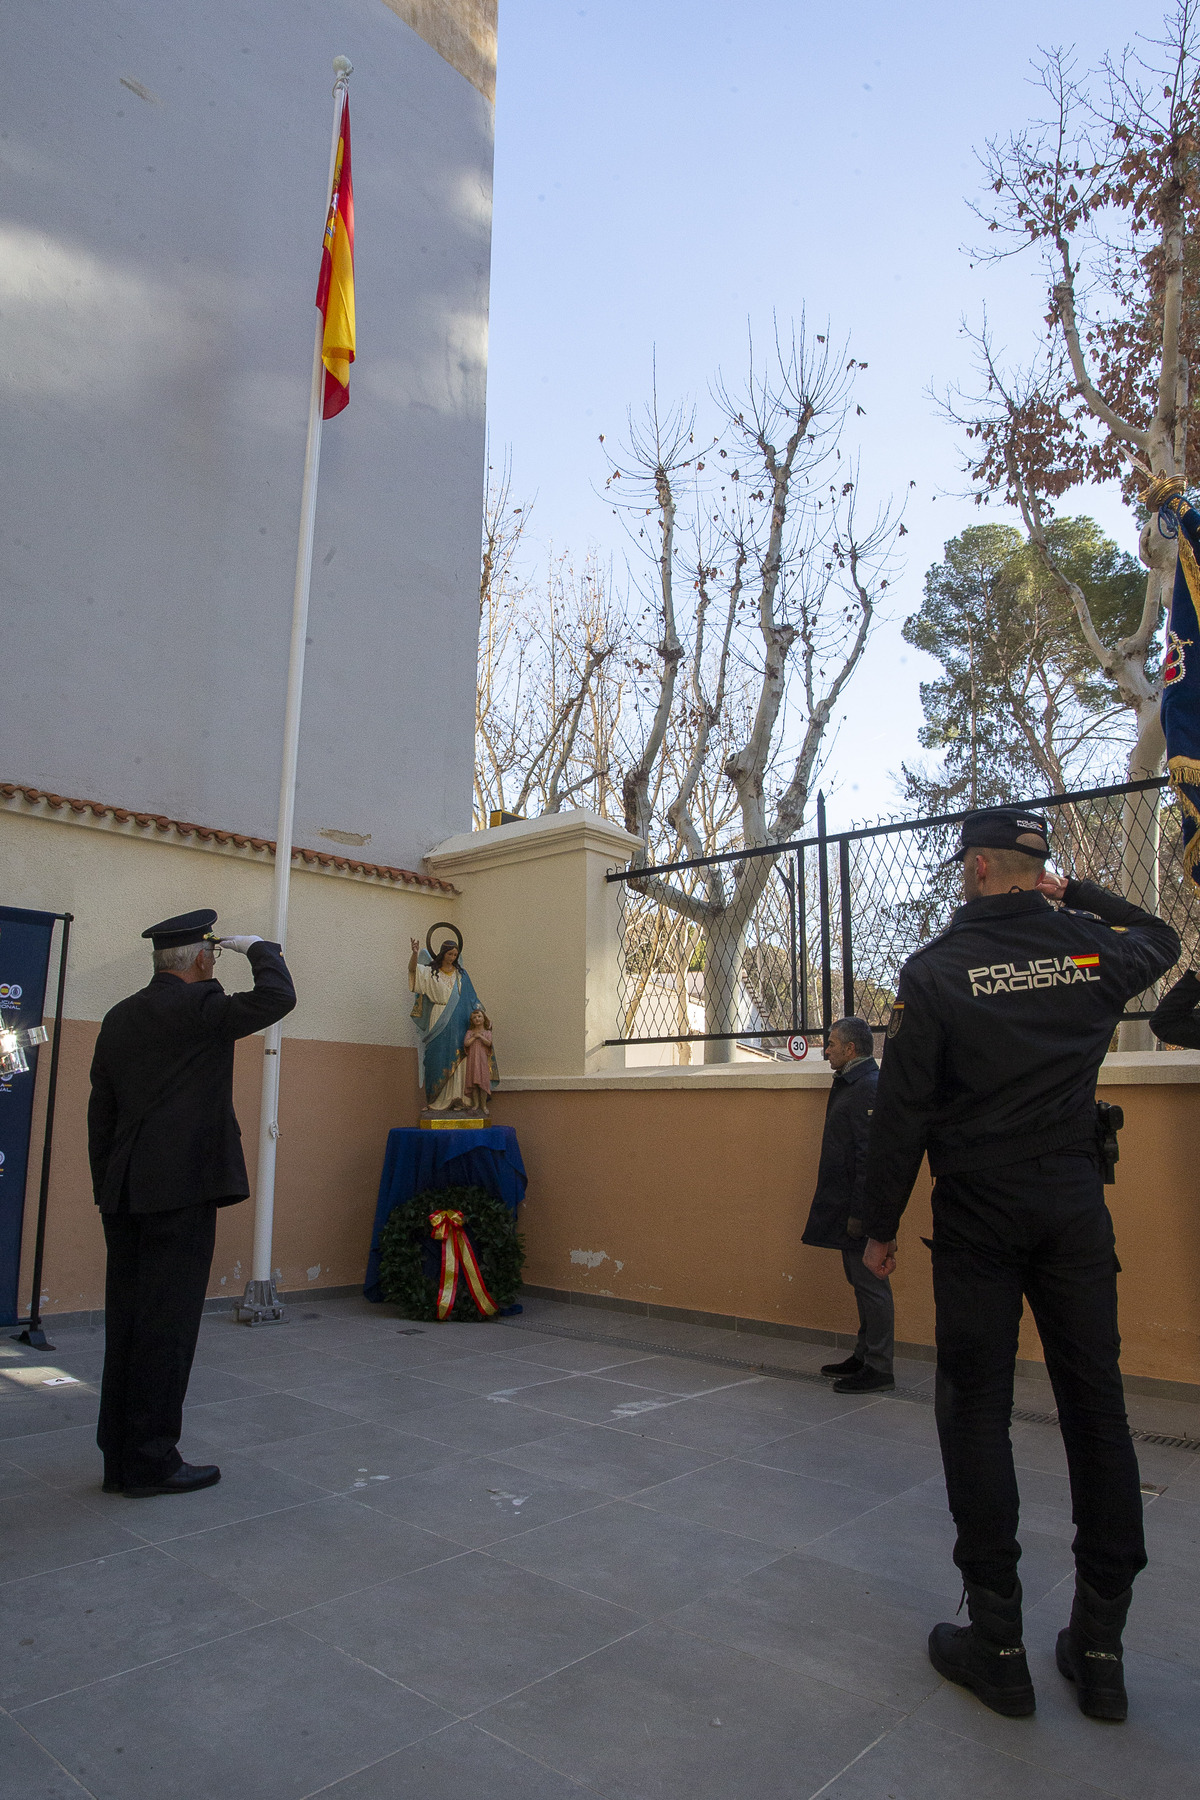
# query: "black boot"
987,1655
851,1366
1089,1652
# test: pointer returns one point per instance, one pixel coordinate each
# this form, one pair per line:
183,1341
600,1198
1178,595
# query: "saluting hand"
240,944
879,1258
1053,886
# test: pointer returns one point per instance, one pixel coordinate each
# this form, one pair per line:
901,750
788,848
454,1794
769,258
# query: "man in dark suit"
835,1219
166,1152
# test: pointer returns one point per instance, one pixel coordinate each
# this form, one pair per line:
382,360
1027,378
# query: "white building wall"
161,209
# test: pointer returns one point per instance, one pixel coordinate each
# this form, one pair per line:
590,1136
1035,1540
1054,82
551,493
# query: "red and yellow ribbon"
447,1229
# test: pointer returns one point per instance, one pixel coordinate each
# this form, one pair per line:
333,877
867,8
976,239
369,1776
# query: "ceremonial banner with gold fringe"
1178,518
448,1229
335,284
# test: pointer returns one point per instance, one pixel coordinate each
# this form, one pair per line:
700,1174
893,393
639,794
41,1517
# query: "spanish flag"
335,285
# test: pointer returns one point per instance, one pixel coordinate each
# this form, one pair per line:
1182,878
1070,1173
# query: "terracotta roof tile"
320,859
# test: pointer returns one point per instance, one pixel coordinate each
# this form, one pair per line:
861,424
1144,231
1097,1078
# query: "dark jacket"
998,1033
1176,1018
161,1123
843,1165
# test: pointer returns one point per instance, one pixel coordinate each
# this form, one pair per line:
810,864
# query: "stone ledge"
1149,1068
694,1076
529,840
1123,1068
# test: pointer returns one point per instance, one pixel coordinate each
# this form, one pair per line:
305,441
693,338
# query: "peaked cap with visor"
1003,828
185,928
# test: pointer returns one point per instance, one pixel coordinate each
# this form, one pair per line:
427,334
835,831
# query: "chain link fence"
751,948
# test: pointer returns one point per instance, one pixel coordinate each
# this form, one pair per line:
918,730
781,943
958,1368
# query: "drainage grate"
778,1372
1170,1443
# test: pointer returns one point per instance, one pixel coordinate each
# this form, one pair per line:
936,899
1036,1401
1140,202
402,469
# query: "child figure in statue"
477,1076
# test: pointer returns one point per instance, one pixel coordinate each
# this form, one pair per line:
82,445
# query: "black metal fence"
757,946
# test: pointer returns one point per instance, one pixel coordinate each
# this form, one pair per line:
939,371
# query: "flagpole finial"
343,68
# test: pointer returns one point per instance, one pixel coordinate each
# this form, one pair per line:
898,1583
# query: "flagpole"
260,1303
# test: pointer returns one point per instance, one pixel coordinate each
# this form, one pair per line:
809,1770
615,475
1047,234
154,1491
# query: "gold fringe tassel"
1183,769
1191,570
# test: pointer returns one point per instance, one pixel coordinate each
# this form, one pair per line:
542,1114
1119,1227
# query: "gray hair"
855,1032
177,959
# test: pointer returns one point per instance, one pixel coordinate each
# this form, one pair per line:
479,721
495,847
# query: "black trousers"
876,1346
1039,1230
158,1267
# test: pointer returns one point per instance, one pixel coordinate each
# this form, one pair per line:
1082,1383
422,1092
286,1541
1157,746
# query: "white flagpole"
260,1302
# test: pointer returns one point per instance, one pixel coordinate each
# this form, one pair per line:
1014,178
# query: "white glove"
240,944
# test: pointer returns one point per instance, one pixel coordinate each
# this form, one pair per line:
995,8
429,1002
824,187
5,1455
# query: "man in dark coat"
835,1218
166,1152
993,1050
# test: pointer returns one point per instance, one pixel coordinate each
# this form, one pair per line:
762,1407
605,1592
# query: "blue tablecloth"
414,1160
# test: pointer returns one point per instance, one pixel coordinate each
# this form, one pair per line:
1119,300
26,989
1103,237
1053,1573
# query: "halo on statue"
442,925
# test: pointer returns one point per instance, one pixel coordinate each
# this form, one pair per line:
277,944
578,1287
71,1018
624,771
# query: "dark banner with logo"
24,960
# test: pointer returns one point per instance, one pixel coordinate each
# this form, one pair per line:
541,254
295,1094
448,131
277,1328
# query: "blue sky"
665,171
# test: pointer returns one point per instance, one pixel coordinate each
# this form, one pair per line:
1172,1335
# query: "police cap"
1003,828
185,928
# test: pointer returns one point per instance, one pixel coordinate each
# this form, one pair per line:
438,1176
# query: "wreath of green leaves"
498,1246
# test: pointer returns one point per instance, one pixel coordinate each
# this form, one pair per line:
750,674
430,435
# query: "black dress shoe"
851,1366
866,1381
186,1479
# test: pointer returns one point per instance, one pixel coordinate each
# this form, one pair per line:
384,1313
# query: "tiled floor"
454,1561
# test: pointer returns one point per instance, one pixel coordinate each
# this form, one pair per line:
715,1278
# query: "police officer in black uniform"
994,1046
165,1153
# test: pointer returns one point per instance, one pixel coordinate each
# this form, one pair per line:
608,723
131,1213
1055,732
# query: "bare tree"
503,640
759,572
662,946
542,708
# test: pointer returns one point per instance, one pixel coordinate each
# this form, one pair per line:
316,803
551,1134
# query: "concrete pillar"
541,930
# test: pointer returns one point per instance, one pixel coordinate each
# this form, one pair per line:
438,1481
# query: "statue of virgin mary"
445,1000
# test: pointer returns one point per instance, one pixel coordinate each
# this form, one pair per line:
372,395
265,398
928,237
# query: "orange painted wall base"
686,1200
337,1104
697,1201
